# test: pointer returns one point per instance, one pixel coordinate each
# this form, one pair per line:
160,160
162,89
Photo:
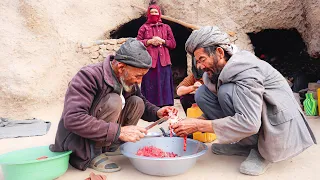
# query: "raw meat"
172,120
151,151
42,157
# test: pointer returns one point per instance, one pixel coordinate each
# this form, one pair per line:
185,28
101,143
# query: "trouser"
187,101
110,111
219,106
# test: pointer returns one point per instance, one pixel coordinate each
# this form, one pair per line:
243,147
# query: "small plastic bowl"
37,163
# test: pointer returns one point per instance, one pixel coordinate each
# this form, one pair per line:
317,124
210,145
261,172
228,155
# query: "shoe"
255,164
117,152
102,163
231,149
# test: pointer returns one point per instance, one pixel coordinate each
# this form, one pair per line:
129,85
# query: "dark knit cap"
134,53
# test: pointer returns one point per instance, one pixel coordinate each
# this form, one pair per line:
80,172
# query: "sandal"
102,163
113,153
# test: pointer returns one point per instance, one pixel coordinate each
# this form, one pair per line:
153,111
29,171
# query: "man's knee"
225,94
136,102
113,103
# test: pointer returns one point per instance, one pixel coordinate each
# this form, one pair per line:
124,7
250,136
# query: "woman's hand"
197,84
159,40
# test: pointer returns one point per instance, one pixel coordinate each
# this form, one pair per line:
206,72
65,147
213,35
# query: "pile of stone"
100,49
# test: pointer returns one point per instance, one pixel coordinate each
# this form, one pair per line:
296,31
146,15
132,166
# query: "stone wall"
100,49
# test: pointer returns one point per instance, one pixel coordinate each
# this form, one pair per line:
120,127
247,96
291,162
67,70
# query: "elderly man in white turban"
246,102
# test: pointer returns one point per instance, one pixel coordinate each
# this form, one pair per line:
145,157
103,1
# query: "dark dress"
157,85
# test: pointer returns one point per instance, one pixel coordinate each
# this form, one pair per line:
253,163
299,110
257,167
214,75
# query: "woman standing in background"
157,84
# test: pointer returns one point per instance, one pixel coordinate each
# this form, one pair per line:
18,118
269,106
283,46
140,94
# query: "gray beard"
126,87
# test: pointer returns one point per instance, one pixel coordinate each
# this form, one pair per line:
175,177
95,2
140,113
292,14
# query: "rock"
86,45
79,49
113,53
93,60
110,47
104,47
110,41
101,51
94,48
99,42
86,51
231,33
100,58
105,53
94,55
116,48
121,40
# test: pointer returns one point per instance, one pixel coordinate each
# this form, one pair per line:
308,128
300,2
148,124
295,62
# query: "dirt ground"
209,166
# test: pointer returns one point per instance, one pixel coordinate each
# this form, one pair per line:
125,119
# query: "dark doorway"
285,50
178,55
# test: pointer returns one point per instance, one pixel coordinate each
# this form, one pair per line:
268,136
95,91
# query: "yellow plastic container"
318,93
195,112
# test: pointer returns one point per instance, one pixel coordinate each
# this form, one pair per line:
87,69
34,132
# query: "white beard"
126,87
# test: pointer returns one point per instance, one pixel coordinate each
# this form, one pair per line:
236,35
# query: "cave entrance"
178,55
285,50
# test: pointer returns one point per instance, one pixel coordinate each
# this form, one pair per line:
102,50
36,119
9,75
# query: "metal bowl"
153,134
164,166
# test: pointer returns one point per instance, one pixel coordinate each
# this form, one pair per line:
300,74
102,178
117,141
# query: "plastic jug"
310,105
318,93
195,112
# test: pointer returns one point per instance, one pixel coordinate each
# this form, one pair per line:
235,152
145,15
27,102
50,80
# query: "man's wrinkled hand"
132,133
184,127
164,111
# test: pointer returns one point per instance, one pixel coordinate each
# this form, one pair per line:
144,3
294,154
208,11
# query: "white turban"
209,36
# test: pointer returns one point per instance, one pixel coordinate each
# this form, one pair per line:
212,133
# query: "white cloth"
210,36
123,100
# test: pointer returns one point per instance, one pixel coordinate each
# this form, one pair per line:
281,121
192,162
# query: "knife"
157,122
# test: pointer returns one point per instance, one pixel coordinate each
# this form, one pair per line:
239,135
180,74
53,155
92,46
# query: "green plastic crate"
23,164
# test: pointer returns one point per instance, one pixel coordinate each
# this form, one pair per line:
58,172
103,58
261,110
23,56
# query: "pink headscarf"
153,19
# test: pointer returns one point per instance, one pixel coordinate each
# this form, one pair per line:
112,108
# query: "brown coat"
78,125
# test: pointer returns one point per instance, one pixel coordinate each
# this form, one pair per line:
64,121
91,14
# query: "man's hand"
132,133
164,111
184,127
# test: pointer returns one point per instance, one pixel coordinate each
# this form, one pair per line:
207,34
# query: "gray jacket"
264,104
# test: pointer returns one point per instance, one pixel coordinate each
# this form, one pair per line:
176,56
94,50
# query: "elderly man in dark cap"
102,106
249,104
